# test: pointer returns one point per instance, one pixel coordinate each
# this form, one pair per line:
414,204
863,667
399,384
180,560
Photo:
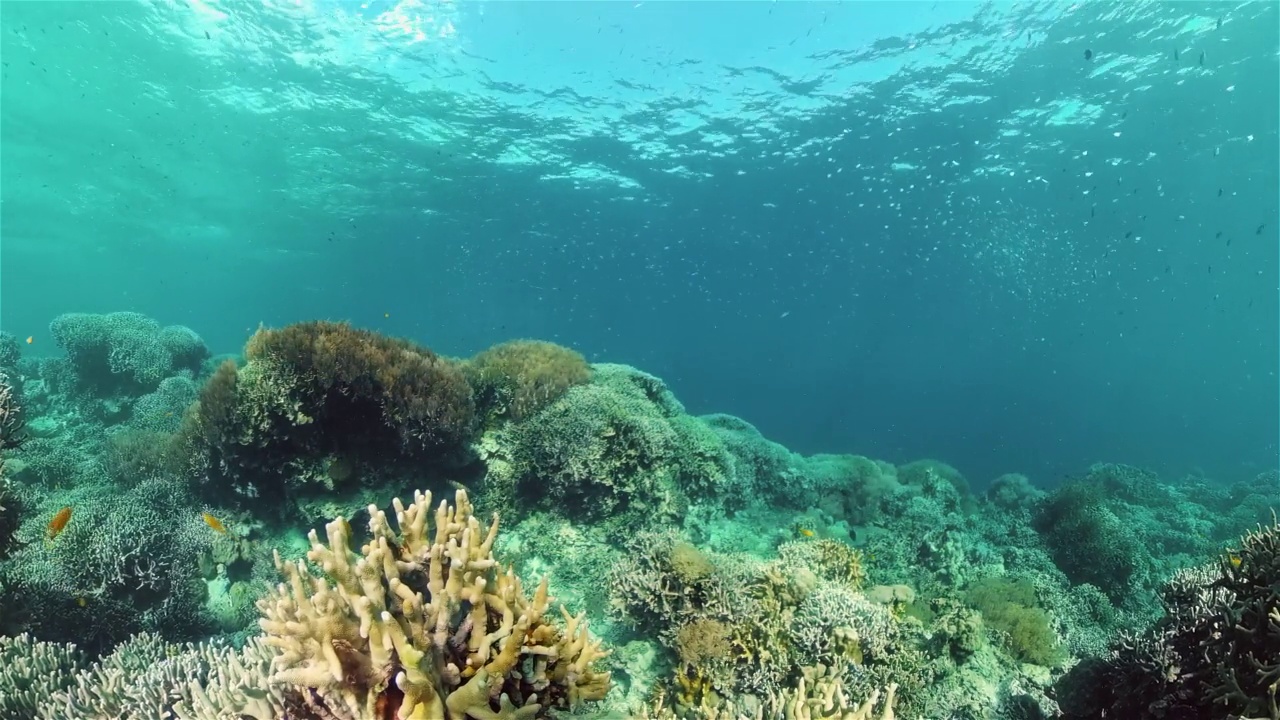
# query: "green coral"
1088,542
515,379
618,450
1010,608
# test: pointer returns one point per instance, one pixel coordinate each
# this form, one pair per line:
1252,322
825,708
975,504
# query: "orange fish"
59,522
215,523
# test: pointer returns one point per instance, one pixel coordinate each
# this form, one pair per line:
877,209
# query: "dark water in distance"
903,230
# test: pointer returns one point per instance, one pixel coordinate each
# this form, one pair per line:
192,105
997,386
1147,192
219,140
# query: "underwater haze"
1011,237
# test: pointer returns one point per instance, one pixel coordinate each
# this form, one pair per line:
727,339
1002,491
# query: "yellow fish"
214,523
807,532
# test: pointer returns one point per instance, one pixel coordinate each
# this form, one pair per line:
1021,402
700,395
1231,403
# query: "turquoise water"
801,245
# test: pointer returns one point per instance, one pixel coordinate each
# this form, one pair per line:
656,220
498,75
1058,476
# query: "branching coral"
124,562
424,625
1215,654
748,635
31,672
819,694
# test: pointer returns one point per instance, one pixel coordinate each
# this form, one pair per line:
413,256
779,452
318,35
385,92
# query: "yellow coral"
430,610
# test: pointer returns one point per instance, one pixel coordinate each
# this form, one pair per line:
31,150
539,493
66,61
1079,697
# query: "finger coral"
423,624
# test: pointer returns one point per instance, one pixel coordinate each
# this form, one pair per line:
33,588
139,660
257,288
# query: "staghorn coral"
424,625
125,562
31,672
819,694
516,379
827,558
1215,654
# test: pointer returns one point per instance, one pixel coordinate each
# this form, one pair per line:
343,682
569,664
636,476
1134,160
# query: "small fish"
1259,230
1219,192
386,315
1175,54
1128,235
31,339
207,36
1218,25
58,523
81,601
1235,560
1201,58
214,523
1088,54
806,532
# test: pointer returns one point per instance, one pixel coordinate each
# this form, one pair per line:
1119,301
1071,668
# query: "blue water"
901,230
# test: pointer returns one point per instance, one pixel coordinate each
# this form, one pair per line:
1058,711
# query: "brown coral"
703,641
423,396
689,563
319,403
516,379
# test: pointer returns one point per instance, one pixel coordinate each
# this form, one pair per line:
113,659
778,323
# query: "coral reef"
755,632
1214,654
1088,541
318,406
125,351
125,562
425,625
617,450
515,379
738,579
11,436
